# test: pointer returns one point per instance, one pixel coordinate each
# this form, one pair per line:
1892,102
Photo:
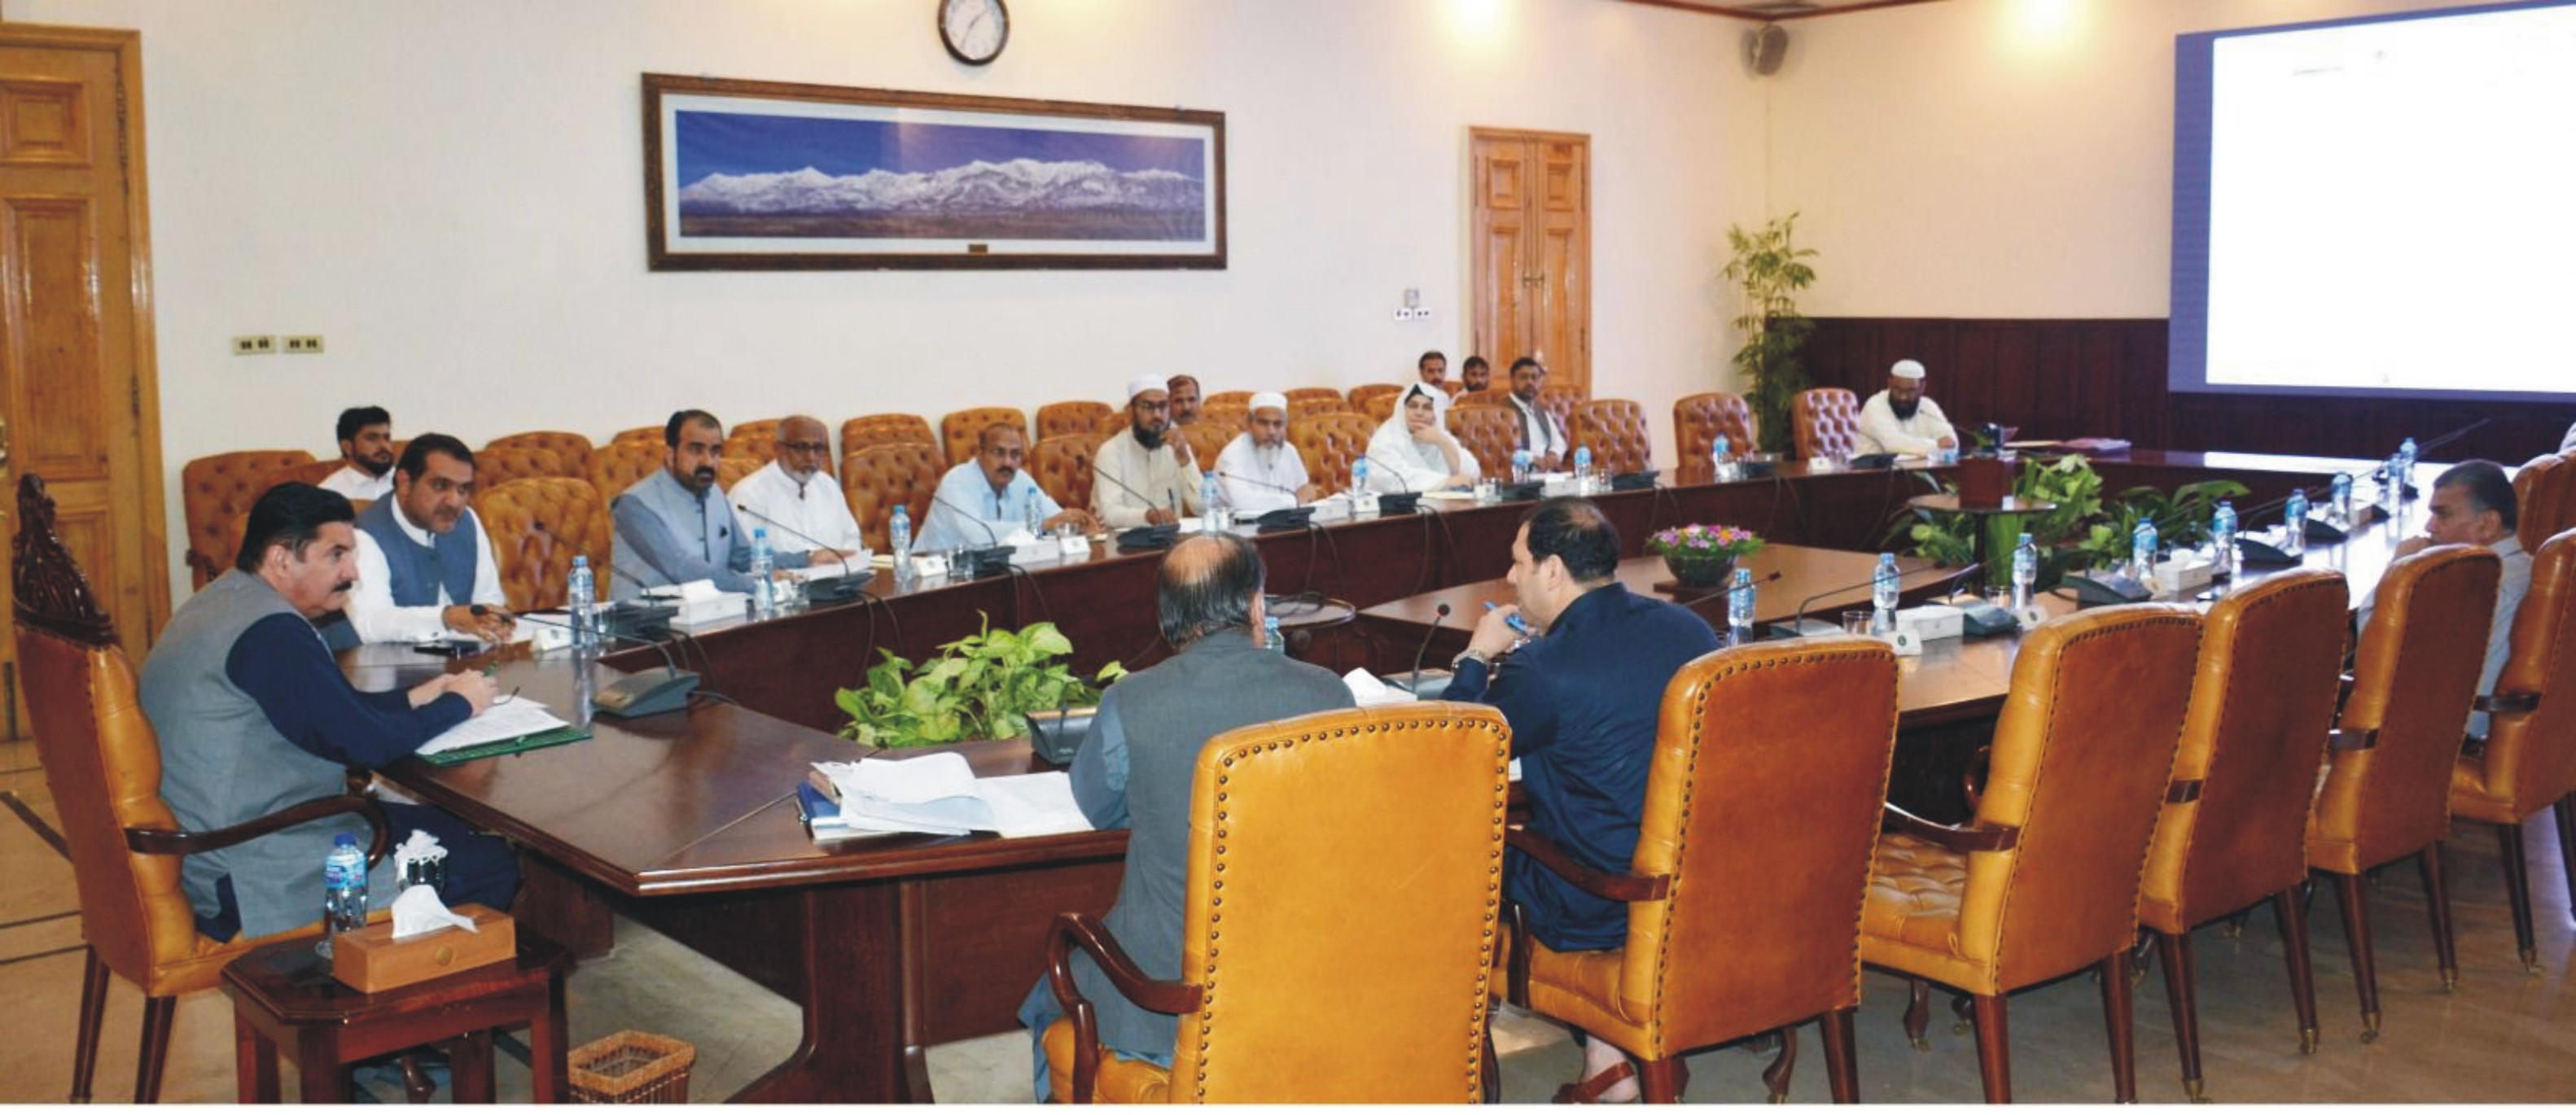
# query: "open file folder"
939,794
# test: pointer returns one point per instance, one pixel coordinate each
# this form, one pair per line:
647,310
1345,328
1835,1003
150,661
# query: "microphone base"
1398,503
835,590
634,620
2108,588
1428,687
1804,628
646,693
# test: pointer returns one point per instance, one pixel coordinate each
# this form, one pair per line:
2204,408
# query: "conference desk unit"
891,944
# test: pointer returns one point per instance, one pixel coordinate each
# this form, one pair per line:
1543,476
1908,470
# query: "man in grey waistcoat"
254,716
1134,770
675,526
425,567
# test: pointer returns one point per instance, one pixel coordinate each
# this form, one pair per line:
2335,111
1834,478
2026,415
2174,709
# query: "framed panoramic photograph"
765,176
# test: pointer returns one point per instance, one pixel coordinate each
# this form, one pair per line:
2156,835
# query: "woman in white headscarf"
1413,453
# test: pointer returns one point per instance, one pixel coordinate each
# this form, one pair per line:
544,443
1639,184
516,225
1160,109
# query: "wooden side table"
283,994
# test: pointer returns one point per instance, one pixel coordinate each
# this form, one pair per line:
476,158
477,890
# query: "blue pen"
1516,622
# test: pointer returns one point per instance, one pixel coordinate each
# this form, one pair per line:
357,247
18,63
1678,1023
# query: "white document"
508,719
1368,692
1033,804
938,793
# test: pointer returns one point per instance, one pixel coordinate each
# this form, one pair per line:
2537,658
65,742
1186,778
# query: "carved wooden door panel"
77,390
1533,252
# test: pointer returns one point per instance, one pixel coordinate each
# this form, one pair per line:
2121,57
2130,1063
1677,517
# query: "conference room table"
891,944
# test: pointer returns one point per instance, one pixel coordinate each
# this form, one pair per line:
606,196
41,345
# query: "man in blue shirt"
1583,698
981,501
674,526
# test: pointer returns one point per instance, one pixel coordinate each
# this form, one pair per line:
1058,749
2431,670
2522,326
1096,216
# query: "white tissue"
419,911
420,846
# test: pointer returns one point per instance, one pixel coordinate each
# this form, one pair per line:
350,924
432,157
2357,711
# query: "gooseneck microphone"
642,693
841,588
1438,614
1242,479
990,538
1141,497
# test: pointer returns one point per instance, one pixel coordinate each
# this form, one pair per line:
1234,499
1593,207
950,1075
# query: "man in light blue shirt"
674,526
980,502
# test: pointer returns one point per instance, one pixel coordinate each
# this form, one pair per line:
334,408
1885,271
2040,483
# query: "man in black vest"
424,563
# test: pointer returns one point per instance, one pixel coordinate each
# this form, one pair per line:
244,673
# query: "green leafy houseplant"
980,687
2182,519
2069,482
1768,270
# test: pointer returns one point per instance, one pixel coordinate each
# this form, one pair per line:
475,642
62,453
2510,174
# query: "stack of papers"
939,794
504,720
1368,691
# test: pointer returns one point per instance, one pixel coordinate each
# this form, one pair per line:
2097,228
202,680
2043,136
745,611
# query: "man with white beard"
1258,470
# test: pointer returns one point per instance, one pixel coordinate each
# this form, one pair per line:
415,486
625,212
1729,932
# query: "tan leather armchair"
1292,824
654,434
756,442
1490,433
1319,395
1378,408
103,763
1762,808
958,431
2236,812
2044,881
1329,443
1489,397
572,449
1826,421
1082,417
2386,794
618,465
1224,416
2529,762
879,478
1561,401
1061,465
1309,406
1231,398
1615,430
537,525
734,470
309,472
884,429
215,495
2544,492
1699,420
1360,395
1206,440
500,464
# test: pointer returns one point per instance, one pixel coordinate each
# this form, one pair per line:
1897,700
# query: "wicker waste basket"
632,1066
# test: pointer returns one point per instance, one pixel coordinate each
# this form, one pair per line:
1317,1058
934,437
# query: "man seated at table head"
1475,375
366,437
425,566
982,500
254,716
1184,392
796,497
1901,420
1259,471
675,526
1142,473
1541,431
1583,699
2473,505
1135,766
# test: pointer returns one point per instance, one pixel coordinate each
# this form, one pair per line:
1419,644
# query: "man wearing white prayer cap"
1900,420
1259,470
1142,475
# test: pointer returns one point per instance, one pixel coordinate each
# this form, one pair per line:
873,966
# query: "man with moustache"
674,527
1475,375
796,497
1432,368
254,716
1184,390
1140,475
1900,420
1257,470
425,566
980,502
1541,431
366,436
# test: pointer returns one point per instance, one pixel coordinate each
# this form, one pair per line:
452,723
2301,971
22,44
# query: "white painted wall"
451,194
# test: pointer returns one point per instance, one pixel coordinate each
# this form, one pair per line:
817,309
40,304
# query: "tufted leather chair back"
1560,401
1059,419
884,429
1489,432
1301,407
1225,416
1826,421
1360,395
537,524
2082,753
309,472
2262,698
1698,420
732,469
618,465
756,442
1378,408
1207,440
2414,677
215,495
640,433
1294,819
1232,398
1615,429
496,465
1061,465
958,431
570,448
2531,756
2544,495
880,477
1762,805
1329,443
1318,394
1489,397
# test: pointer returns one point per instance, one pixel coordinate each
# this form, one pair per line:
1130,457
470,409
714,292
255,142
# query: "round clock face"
974,31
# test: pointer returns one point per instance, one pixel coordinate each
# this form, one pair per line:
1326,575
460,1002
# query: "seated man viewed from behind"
2473,505
674,526
795,496
254,716
424,563
982,500
1135,767
1259,470
1583,699
366,438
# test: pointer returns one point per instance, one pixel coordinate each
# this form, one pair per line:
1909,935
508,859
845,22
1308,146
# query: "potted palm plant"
1768,270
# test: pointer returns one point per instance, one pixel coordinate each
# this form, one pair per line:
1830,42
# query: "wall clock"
974,31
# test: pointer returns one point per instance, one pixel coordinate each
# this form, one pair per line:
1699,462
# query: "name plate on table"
927,566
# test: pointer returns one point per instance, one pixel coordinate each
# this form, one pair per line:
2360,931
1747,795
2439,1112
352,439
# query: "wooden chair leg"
2437,894
2517,891
1918,1013
1776,1077
2566,811
93,1017
1662,1081
2119,1015
2291,908
156,1048
1842,1069
2356,931
2180,979
1493,1074
1994,1048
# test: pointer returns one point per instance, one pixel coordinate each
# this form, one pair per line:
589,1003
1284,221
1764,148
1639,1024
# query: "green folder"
530,742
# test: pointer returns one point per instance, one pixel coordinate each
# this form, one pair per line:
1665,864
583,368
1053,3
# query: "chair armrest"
2352,739
2509,704
1957,838
165,842
203,567
1071,931
1602,884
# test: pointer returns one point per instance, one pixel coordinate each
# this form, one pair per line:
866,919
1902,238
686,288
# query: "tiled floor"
2500,1037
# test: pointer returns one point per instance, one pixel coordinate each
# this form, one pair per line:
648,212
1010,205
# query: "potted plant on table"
1703,555
983,686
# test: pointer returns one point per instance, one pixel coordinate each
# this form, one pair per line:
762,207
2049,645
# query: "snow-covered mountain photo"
1019,185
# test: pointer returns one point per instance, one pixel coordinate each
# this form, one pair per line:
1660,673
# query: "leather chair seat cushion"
2473,800
1119,1081
1910,917
1581,989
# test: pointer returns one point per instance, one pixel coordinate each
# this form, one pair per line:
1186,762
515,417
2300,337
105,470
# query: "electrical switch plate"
304,345
254,345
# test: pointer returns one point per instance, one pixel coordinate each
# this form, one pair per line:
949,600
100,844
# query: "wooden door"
1533,251
78,394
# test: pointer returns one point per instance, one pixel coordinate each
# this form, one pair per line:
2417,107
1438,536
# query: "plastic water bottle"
344,890
2294,518
2393,484
1739,608
581,598
1520,466
1882,596
2405,465
1271,639
764,599
2142,552
2222,537
899,534
1030,518
2343,499
1583,470
1359,475
2025,571
1717,454
1211,515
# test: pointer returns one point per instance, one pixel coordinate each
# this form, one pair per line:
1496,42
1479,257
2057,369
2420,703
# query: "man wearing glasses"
796,496
1143,475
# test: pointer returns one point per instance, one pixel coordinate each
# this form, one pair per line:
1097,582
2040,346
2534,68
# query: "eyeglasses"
805,446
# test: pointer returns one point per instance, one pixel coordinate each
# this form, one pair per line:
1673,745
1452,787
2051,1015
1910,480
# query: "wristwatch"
1470,655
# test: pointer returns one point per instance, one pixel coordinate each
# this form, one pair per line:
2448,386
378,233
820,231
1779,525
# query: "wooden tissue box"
371,960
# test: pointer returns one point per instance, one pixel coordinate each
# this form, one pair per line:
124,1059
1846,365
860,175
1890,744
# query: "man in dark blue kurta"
1583,698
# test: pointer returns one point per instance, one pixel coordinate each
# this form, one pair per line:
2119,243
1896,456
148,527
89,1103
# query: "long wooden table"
892,944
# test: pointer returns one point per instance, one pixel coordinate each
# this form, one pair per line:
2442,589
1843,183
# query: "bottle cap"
344,840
